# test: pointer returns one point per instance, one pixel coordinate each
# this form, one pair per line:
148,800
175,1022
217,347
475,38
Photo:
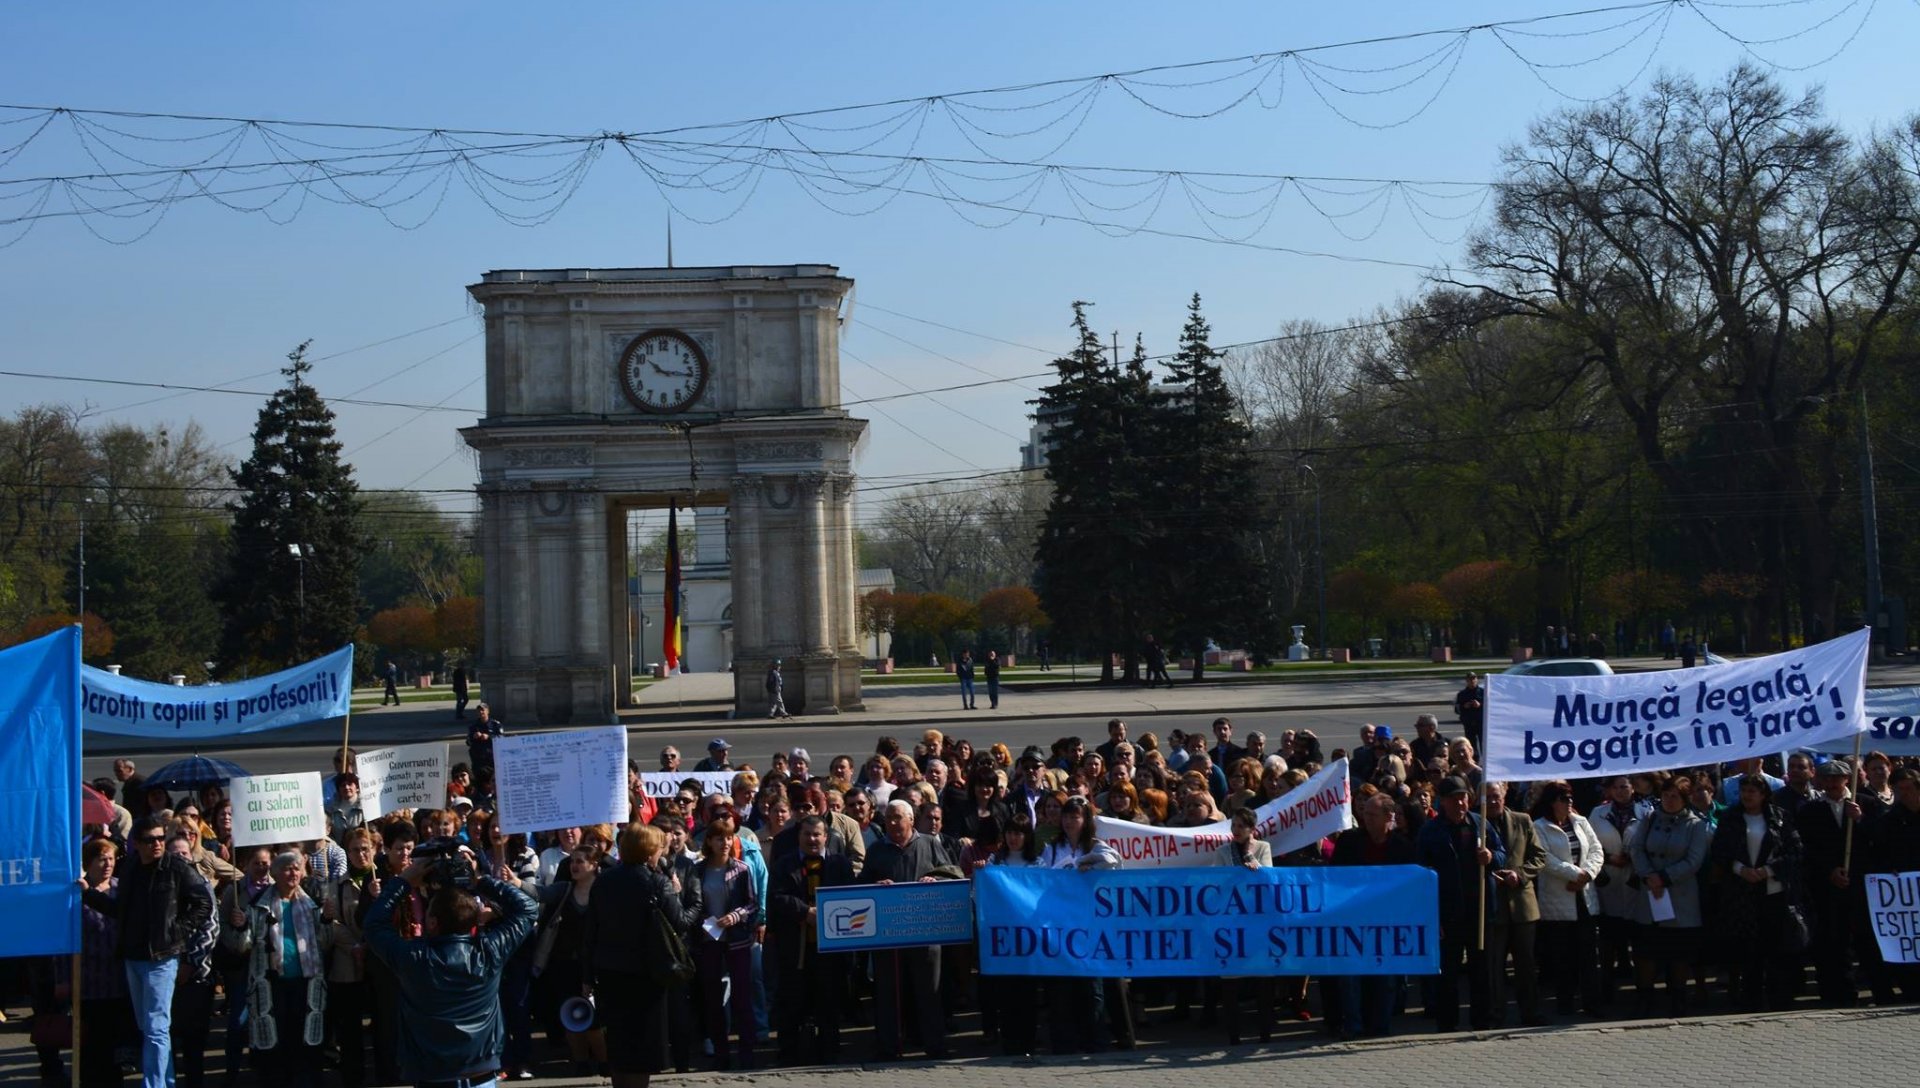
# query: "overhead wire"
730,158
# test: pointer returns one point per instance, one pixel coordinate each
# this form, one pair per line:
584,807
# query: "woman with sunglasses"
1074,1004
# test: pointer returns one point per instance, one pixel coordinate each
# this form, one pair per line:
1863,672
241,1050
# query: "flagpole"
1853,780
73,990
1480,937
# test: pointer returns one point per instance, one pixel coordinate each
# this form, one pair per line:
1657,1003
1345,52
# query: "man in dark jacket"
902,857
451,1030
1832,893
1451,846
811,982
1368,1000
1470,706
160,904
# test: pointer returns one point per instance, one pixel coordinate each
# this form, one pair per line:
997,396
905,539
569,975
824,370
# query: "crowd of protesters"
1656,894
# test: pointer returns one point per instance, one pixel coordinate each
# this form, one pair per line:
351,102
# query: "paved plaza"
1868,1048
1865,1048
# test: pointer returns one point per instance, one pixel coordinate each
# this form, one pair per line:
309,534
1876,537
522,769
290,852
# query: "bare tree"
1722,252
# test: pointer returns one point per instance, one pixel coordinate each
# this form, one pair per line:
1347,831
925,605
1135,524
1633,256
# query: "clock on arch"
663,370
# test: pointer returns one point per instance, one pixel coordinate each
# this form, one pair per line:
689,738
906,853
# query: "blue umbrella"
194,772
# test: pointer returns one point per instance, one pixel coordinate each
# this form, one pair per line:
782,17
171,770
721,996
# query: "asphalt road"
754,741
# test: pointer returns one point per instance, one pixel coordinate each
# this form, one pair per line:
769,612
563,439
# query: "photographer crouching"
450,1031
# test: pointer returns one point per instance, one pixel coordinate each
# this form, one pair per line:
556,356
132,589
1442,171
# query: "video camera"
447,866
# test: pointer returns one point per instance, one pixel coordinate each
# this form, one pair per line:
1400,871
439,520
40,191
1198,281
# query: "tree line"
1647,395
200,568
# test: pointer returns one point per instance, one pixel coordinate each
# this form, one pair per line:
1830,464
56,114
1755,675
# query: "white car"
1562,666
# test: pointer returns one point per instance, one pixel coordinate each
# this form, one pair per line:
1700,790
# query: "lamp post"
300,553
1319,553
80,572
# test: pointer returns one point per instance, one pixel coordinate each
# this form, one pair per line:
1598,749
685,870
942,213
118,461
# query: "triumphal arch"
615,388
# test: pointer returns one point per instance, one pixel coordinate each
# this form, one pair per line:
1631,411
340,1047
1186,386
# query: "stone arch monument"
610,389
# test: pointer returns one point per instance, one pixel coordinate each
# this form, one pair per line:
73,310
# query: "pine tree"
295,494
1208,550
1092,540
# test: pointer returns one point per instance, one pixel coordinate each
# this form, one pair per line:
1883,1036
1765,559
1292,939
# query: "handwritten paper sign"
572,778
274,808
408,777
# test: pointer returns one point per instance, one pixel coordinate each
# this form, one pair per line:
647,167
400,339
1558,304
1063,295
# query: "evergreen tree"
295,492
1207,552
1092,539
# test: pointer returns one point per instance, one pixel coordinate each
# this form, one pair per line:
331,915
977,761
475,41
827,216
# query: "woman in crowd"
746,786
1461,762
1046,826
1123,803
288,943
1243,784
1569,903
1613,823
1196,807
1243,851
558,942
212,869
1758,850
348,1002
1668,850
620,953
507,857
984,806
220,832
1155,806
1075,1003
194,984
876,779
723,946
776,815
104,1007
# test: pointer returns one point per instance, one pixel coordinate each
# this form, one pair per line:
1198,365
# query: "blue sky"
211,295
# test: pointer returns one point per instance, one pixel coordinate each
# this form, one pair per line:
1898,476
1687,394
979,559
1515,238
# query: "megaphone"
576,1014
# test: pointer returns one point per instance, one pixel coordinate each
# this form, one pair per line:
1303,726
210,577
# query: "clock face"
663,370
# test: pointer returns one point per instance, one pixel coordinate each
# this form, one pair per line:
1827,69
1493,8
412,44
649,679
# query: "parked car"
1562,666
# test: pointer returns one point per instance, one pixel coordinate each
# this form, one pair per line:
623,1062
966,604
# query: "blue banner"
867,916
1208,921
40,796
313,692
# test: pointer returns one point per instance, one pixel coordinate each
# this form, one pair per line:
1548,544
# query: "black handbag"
669,962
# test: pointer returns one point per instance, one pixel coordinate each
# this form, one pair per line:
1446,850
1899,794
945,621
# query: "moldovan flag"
670,630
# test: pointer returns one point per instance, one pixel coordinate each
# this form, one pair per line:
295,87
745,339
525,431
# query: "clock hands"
663,372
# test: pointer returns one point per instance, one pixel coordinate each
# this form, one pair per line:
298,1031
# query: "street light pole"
299,552
80,574
1319,554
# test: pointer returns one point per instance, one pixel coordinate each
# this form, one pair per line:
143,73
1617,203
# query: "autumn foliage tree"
409,631
1013,609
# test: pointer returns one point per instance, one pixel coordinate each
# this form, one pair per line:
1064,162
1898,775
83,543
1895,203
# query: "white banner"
663,784
573,778
408,777
1541,727
269,809
1305,814
1893,724
1893,910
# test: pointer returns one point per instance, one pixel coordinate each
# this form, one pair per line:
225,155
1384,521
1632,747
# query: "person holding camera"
450,1033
